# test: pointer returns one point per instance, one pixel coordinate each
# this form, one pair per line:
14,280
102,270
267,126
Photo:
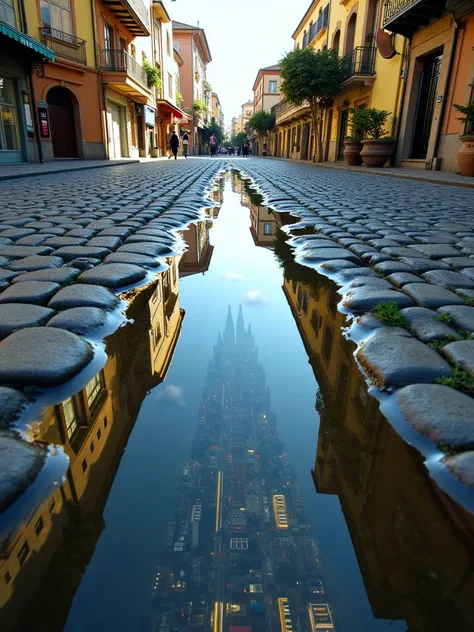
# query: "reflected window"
92,447
156,296
99,434
333,300
39,525
327,344
315,321
305,303
84,465
93,389
70,417
156,336
23,552
52,505
8,577
267,229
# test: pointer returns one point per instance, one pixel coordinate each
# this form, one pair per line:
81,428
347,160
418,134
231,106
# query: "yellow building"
371,81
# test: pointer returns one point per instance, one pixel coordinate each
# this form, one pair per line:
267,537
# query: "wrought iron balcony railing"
316,28
393,7
64,44
361,61
141,10
120,61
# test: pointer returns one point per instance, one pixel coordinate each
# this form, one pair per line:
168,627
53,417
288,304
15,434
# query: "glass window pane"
93,389
45,14
6,91
10,127
55,13
69,412
67,22
66,4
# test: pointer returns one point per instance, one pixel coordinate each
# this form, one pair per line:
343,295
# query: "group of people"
174,144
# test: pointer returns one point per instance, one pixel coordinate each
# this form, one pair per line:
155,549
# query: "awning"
167,106
25,40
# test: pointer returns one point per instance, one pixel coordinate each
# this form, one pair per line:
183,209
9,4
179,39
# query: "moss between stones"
447,319
461,381
389,314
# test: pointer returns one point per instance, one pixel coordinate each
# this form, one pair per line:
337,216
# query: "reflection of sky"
115,592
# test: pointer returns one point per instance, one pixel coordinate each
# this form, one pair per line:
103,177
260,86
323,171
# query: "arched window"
336,40
351,28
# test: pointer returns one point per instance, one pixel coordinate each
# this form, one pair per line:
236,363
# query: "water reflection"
414,545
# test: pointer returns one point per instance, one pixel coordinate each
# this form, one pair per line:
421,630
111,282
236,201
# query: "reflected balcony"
124,74
406,16
359,68
63,44
133,14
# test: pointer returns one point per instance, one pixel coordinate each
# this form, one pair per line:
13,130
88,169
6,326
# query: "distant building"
195,520
279,509
320,617
266,88
285,615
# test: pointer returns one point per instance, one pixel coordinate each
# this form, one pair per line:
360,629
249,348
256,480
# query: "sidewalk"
24,170
435,177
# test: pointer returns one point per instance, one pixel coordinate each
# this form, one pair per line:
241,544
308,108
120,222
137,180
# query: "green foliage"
179,98
461,380
375,121
238,139
390,314
262,122
211,129
153,75
358,123
207,86
199,106
447,319
439,344
467,112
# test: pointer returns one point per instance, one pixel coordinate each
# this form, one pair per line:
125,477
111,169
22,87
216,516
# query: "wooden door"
425,107
63,129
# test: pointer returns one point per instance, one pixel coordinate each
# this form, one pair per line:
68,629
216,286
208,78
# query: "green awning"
10,31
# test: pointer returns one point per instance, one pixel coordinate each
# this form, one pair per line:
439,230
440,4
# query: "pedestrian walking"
246,149
174,144
213,145
185,143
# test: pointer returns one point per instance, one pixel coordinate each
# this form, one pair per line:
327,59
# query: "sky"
243,36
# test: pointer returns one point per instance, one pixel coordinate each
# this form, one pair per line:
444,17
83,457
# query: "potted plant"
352,143
376,148
465,156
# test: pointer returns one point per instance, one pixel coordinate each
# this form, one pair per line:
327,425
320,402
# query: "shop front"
169,118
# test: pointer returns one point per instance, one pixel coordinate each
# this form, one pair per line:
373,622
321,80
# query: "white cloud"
172,394
254,297
233,276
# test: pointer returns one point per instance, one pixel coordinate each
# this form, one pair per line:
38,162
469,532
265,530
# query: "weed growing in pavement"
389,314
447,319
469,301
461,380
442,342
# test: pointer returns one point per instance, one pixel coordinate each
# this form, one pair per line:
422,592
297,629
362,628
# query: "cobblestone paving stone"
417,238
68,244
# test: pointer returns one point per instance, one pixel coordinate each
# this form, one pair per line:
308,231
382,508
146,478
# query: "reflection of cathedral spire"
240,337
229,336
250,335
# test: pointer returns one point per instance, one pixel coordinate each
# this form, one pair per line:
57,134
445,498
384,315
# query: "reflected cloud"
172,394
254,297
233,276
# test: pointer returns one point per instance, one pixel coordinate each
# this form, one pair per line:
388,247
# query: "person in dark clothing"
174,144
246,149
185,144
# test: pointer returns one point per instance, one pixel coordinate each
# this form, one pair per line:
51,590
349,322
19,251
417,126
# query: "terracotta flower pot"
465,156
376,151
352,149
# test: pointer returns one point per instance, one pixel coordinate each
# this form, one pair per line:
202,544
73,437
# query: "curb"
18,176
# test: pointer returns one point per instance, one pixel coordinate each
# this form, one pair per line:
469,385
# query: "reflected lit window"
70,417
39,525
23,552
93,389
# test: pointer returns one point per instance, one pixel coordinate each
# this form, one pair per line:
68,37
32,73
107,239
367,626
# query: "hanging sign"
44,122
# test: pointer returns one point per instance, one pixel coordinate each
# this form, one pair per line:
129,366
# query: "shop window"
57,15
9,136
23,552
39,526
70,417
7,12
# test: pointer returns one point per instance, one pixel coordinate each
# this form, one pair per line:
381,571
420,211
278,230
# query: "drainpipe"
101,93
434,160
29,77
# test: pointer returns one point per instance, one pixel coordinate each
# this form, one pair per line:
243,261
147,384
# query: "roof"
182,26
274,68
303,19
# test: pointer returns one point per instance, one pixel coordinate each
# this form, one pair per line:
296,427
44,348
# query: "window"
8,577
7,12
170,86
39,525
168,43
92,447
70,417
315,321
99,434
267,229
84,465
272,86
9,138
327,345
105,422
156,336
23,552
93,389
52,505
305,303
57,15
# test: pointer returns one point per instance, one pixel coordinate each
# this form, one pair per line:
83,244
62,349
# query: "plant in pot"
352,143
465,156
376,147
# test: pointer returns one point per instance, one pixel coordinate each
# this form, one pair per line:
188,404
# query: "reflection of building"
198,256
43,561
414,545
262,224
320,617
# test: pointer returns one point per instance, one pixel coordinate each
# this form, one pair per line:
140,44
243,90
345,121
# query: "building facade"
266,88
191,44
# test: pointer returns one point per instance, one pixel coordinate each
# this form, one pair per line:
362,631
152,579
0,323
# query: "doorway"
63,127
115,130
328,134
343,122
305,142
425,105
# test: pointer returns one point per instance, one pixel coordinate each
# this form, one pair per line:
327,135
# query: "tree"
211,129
262,122
238,139
315,78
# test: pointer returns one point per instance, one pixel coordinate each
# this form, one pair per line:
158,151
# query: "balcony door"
426,105
108,45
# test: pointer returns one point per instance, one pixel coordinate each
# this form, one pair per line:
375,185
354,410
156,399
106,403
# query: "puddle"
181,448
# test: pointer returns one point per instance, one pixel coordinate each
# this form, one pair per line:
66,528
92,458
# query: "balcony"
317,28
132,13
359,68
285,112
124,73
64,45
406,16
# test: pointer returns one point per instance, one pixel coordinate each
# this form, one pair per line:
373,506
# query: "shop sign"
149,116
43,121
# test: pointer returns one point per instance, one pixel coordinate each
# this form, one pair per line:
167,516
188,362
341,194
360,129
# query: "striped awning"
25,40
